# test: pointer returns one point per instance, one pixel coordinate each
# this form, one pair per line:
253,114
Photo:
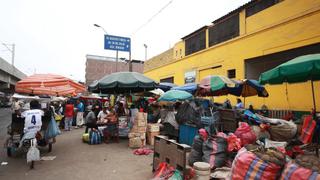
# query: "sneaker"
76,127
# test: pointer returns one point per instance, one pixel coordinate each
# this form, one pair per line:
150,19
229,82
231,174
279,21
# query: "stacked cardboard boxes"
137,135
152,131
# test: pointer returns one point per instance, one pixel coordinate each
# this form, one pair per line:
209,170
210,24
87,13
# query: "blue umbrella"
165,86
190,88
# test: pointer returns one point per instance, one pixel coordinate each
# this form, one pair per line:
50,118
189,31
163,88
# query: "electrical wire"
151,18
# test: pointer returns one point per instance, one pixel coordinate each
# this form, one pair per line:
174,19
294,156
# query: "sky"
54,36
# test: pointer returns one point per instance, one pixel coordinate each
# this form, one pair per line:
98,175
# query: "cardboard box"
150,137
136,142
135,134
141,122
141,115
153,127
139,129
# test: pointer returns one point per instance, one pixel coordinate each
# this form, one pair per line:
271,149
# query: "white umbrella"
157,92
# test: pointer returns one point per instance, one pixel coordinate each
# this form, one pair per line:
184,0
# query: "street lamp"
105,32
145,52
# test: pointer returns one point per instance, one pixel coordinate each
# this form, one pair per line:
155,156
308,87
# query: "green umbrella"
300,69
122,82
175,95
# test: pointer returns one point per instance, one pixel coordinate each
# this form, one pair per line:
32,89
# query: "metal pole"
313,97
13,54
130,62
117,61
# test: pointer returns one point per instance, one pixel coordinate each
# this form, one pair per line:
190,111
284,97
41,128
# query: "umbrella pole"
313,97
244,102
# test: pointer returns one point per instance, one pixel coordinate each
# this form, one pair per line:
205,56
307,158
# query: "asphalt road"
76,160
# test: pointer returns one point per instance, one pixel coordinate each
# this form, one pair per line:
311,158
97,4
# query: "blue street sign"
117,43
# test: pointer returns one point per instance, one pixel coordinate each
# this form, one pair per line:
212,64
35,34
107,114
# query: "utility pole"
130,62
145,52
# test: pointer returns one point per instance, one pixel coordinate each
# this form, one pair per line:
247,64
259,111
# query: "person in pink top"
68,114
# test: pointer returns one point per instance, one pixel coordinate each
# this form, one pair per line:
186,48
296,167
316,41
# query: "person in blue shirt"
80,111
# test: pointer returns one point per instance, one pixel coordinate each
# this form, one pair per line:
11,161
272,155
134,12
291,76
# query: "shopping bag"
33,152
52,130
94,137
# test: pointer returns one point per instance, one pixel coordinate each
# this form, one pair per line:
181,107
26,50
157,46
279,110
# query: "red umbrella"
48,84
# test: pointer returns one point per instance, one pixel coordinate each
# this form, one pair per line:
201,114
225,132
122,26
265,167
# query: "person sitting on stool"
91,119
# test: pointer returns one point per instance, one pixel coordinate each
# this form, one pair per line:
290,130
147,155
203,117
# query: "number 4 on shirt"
33,120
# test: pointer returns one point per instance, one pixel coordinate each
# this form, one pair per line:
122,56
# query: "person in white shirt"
102,116
33,118
239,104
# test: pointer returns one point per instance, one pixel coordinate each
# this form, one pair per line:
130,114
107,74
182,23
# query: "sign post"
118,43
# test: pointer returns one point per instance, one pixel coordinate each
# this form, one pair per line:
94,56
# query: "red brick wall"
96,69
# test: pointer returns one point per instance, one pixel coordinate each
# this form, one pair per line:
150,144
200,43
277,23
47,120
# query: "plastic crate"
187,133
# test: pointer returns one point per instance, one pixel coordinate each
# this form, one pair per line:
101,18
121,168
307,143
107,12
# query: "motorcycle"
20,143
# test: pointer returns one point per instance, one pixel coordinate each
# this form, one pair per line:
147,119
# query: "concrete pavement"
77,160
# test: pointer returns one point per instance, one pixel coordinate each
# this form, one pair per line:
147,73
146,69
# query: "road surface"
76,160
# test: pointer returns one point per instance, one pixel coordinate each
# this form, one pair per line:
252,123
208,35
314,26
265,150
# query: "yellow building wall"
299,28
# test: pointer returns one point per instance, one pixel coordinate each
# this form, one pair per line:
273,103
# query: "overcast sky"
54,36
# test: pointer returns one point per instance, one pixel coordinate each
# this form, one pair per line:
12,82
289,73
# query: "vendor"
91,120
102,116
112,126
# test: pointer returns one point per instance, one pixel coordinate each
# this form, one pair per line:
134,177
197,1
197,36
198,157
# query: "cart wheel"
50,147
32,165
9,154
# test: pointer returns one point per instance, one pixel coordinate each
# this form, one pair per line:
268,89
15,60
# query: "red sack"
247,165
245,134
293,171
142,151
307,129
234,143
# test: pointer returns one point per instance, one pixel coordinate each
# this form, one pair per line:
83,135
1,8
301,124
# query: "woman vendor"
112,126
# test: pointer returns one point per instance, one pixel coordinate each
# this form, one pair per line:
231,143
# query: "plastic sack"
307,129
215,151
234,143
294,171
33,153
142,151
251,116
246,135
275,144
259,132
284,131
85,137
52,130
196,151
95,137
247,165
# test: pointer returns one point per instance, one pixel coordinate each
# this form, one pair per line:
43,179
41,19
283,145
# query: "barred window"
195,43
259,6
225,30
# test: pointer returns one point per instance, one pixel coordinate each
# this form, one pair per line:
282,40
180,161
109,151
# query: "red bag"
234,143
164,171
293,171
307,129
247,165
245,134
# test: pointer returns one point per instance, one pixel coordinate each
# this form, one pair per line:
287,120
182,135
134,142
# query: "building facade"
250,40
100,66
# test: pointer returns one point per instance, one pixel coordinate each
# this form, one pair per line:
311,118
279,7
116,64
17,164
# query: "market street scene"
160,90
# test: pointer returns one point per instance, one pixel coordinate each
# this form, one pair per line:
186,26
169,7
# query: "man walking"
80,110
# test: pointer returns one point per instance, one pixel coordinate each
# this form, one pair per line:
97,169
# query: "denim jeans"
68,123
